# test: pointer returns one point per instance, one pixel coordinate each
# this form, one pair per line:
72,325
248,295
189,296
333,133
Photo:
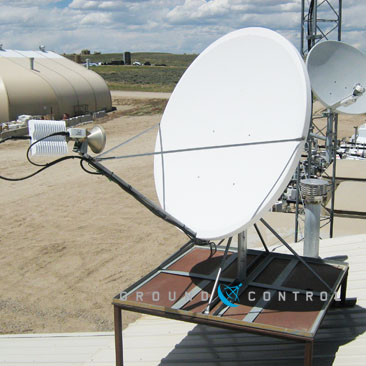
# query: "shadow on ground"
210,346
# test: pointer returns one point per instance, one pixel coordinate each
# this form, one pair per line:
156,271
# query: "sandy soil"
71,241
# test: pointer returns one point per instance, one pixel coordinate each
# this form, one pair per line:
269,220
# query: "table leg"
118,335
344,300
344,289
308,359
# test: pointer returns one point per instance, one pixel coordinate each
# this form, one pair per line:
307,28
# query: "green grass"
142,78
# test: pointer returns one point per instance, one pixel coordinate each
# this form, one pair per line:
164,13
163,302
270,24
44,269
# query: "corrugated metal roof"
341,340
35,54
57,349
49,84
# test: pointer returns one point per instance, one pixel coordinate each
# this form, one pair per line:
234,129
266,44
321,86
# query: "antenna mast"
320,20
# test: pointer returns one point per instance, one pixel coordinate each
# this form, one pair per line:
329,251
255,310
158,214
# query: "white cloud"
154,25
96,19
199,10
108,5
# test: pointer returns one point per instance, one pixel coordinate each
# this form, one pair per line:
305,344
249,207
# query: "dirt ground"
71,241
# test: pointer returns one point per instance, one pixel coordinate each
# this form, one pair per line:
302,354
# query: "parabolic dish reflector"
334,69
233,132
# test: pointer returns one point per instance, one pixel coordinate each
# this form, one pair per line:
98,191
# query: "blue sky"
179,26
61,3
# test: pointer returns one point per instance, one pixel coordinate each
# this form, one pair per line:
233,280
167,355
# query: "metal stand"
344,301
308,359
265,223
242,256
118,335
308,349
241,319
314,29
261,238
297,203
329,136
334,173
331,157
330,139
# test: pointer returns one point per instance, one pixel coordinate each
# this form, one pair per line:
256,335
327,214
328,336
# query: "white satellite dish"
250,86
337,73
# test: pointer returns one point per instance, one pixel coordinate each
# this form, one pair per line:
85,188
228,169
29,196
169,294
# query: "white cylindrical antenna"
42,48
313,191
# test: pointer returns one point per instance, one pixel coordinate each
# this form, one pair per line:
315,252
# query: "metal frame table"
190,273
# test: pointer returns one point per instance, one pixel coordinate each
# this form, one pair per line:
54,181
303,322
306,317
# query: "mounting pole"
297,202
313,190
313,30
329,136
340,20
242,256
333,187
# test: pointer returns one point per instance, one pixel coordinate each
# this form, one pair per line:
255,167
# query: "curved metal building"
43,82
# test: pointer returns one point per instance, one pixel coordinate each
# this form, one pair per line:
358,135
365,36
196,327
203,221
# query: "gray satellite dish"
337,74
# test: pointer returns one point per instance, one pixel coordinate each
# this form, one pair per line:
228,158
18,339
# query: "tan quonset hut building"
43,82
